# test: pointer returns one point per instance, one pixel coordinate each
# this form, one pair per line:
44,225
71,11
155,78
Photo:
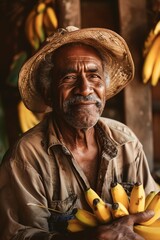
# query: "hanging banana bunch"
40,22
151,53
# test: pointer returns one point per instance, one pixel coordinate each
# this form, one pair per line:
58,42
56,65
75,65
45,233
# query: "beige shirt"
40,170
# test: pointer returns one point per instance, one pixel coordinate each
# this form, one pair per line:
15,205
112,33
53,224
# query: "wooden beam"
137,96
69,13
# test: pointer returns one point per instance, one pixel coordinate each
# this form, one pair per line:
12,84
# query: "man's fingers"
142,216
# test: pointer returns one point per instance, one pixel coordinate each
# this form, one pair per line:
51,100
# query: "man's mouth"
81,100
84,103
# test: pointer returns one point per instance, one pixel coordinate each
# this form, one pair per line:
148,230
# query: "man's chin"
82,117
83,122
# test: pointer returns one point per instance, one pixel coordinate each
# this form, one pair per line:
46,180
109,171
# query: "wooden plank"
69,13
137,97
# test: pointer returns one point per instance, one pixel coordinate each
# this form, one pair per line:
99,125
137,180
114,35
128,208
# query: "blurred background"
24,24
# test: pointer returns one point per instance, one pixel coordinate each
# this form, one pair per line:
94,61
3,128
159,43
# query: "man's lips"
84,103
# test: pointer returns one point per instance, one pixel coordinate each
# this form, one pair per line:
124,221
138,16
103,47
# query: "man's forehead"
82,58
88,62
74,51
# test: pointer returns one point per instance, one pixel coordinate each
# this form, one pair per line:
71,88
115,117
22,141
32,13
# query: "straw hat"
119,65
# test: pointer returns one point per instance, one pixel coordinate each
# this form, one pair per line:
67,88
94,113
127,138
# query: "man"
44,176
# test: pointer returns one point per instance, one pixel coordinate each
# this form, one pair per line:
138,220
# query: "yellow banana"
119,194
155,224
74,225
137,199
156,68
149,198
85,217
90,195
119,210
39,21
150,60
150,38
155,206
30,31
52,16
48,26
148,232
27,118
102,211
148,42
157,28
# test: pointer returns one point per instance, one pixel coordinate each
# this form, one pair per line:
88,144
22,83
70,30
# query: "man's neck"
75,138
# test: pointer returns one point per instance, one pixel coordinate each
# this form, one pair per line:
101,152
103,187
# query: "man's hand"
122,228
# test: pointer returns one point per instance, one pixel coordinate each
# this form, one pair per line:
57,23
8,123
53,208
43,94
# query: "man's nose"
83,87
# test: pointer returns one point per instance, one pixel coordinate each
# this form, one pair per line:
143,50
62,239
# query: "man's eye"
95,76
70,78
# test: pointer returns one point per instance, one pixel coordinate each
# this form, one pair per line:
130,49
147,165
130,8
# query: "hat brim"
112,47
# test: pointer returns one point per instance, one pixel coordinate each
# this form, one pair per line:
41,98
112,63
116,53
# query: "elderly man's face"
79,86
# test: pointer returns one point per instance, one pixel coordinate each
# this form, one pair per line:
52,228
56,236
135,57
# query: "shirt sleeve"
20,184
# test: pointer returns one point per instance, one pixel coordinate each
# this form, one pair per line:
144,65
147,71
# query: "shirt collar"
110,133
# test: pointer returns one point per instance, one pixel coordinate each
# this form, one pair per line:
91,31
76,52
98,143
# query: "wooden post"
137,96
69,13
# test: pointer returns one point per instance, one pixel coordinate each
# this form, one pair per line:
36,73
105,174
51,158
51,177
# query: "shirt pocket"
62,212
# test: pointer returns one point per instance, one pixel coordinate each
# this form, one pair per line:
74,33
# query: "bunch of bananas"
40,22
122,205
151,65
